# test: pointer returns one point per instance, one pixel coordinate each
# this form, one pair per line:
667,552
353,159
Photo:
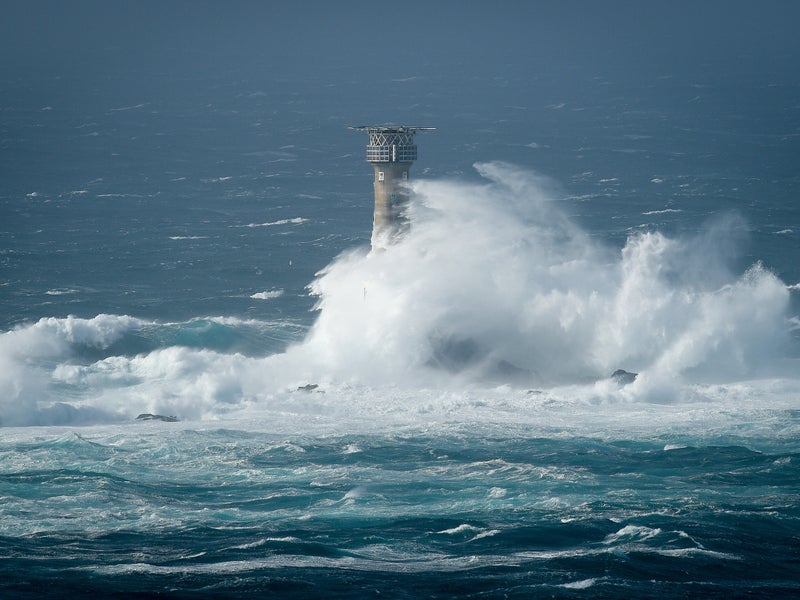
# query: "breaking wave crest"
495,282
494,285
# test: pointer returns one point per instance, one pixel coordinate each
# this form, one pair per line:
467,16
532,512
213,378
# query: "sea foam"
494,282
493,293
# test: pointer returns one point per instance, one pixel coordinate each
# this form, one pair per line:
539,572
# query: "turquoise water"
418,513
184,232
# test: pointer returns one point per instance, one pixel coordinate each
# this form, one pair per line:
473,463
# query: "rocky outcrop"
149,417
624,377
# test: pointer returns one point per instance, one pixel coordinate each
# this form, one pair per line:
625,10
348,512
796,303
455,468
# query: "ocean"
210,387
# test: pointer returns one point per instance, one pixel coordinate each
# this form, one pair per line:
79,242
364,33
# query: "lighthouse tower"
391,150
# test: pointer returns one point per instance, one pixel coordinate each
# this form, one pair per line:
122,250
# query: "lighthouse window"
380,176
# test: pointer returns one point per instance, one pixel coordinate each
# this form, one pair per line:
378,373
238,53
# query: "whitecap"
484,534
458,332
267,295
464,527
583,584
355,493
632,533
692,552
262,542
292,221
497,492
661,212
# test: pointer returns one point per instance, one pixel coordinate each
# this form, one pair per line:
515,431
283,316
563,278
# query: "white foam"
631,533
464,527
494,291
497,492
496,274
50,336
264,541
484,534
692,552
662,212
29,351
267,295
583,584
293,221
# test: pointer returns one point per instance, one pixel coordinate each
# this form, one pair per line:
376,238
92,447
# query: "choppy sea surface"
436,420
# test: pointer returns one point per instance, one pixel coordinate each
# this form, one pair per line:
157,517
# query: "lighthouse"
391,151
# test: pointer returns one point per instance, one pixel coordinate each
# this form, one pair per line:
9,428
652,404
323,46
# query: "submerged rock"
624,377
309,387
149,417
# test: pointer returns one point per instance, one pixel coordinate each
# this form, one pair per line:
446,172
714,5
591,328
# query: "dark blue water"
401,515
184,231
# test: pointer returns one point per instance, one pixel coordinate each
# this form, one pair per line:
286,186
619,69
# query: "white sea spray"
494,293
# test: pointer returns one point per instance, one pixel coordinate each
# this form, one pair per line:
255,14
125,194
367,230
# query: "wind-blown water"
494,285
184,231
447,424
495,276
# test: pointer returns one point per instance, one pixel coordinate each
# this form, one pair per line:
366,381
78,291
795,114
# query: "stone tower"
391,150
